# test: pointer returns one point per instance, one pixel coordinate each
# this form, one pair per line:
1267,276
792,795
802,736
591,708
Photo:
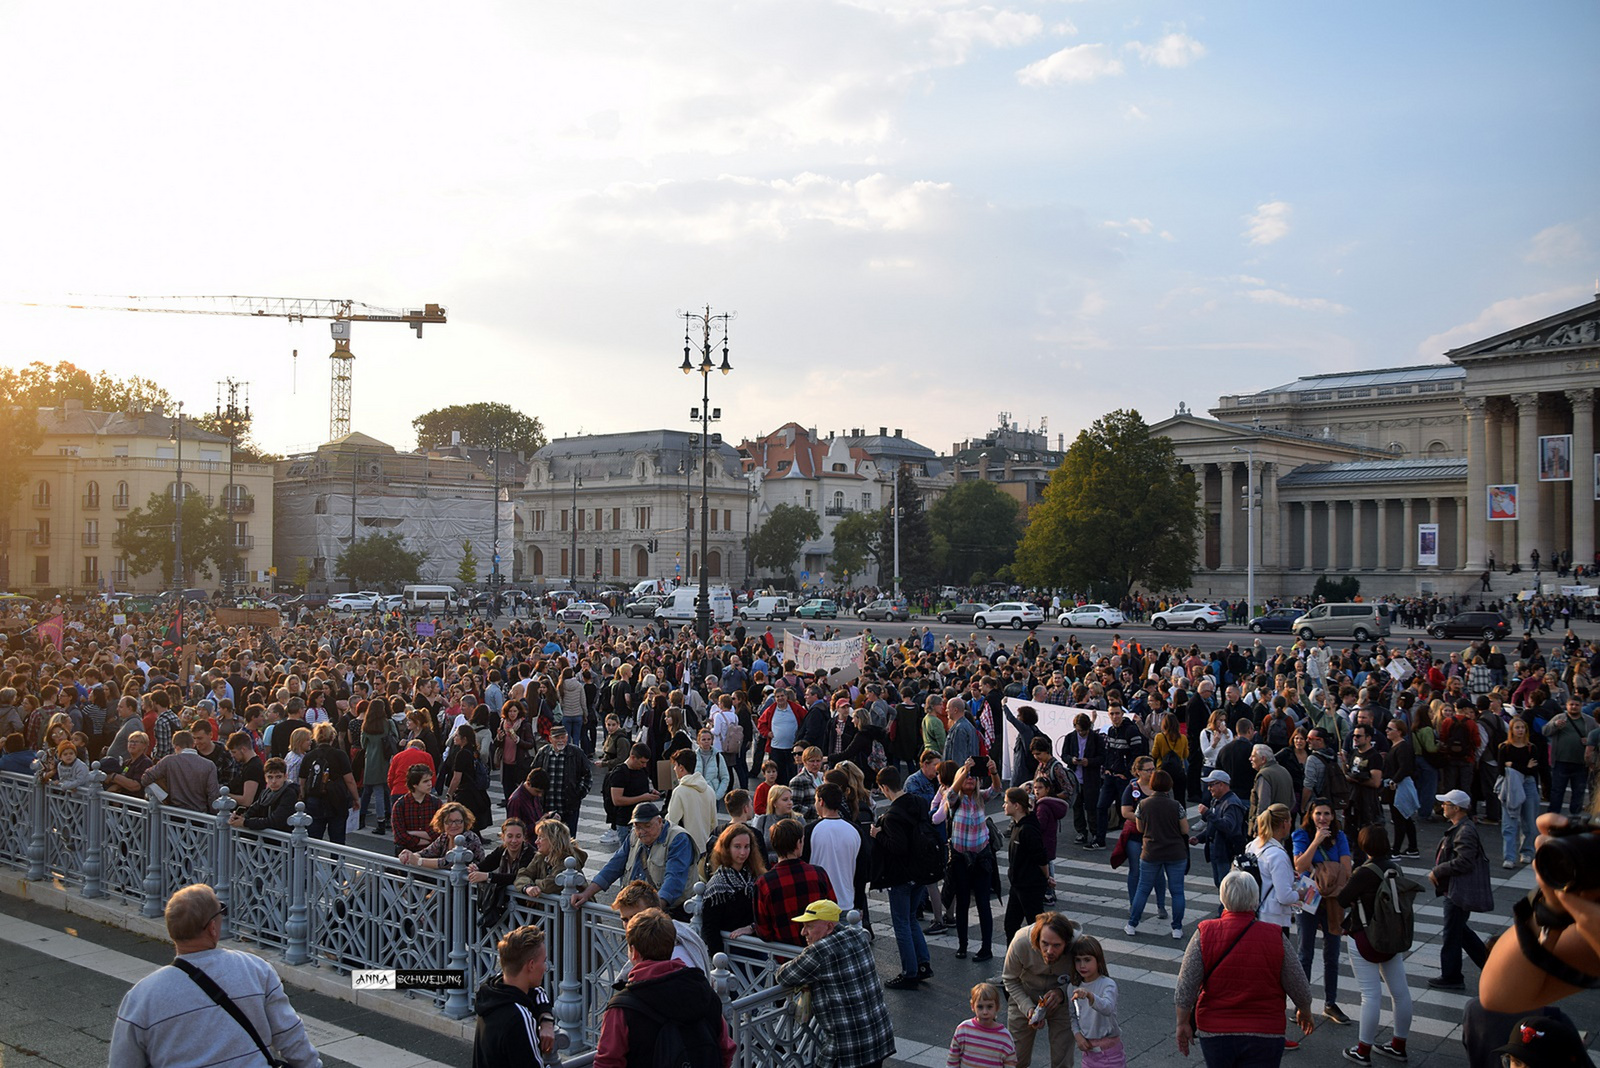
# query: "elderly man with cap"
1460,873
655,851
1225,834
570,776
846,993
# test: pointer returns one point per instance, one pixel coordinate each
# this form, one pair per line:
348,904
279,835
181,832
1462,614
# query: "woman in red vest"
1235,975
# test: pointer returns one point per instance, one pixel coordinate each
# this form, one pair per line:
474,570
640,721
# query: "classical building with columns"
1490,456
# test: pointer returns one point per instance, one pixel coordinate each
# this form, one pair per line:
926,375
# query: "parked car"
1276,621
353,602
766,608
1355,619
1190,614
818,608
580,611
393,602
1091,615
191,594
644,606
886,609
965,612
1471,625
1013,614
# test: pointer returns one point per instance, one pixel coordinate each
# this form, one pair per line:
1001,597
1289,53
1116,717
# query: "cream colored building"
1352,470
92,469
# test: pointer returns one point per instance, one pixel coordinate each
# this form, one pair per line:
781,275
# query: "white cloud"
1279,297
1141,226
1080,63
1558,244
1269,223
1134,111
1172,50
1501,316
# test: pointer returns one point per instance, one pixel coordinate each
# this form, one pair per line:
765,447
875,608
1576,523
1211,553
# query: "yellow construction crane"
342,312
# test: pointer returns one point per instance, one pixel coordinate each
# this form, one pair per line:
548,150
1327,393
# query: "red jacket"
1244,994
400,767
611,1050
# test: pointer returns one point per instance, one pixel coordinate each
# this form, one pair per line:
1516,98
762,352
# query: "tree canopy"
856,542
378,560
916,538
975,530
1119,510
146,538
485,424
467,570
775,545
40,385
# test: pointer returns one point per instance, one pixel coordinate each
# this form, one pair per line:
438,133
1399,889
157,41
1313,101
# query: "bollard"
222,856
456,1003
94,851
154,900
297,930
37,850
569,991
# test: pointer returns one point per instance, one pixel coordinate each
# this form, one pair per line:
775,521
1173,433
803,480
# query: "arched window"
91,494
538,561
41,494
838,501
1437,448
121,499
641,562
714,563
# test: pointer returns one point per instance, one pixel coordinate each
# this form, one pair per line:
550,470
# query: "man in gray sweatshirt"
189,778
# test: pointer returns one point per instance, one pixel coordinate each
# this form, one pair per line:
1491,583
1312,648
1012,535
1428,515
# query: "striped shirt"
976,1046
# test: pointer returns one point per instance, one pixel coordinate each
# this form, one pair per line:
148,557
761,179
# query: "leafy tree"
1343,588
1118,511
855,542
467,571
20,436
916,538
379,560
486,424
146,538
39,385
775,545
975,528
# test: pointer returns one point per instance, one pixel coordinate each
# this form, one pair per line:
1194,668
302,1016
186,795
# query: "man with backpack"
907,855
1458,747
665,1014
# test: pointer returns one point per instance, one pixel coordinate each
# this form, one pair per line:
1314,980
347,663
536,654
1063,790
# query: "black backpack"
1390,929
1334,781
321,780
1250,864
928,853
679,1043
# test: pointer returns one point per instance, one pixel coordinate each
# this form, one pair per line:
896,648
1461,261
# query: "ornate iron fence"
16,818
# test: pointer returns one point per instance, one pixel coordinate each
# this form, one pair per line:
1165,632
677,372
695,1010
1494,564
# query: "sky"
921,214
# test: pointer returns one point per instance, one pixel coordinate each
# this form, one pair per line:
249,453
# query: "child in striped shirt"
983,1042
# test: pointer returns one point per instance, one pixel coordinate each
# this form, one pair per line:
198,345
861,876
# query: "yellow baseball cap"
819,910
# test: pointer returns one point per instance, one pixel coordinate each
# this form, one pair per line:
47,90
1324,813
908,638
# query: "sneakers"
1410,854
1130,929
1161,913
1439,982
925,970
1335,1013
1354,1054
982,955
1508,865
902,982
1388,1049
610,838
1290,1045
938,927
1177,932
1097,845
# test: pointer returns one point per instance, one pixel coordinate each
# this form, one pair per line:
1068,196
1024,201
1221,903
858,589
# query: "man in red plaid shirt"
791,885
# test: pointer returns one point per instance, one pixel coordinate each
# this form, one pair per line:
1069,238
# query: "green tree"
855,542
146,538
486,424
20,436
379,560
975,528
1118,511
775,545
467,571
1343,588
917,564
40,385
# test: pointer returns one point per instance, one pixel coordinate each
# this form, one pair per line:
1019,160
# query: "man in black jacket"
513,1008
895,836
1197,716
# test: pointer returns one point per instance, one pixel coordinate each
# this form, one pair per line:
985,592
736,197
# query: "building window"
119,571
599,518
616,519
713,512
91,571
841,468
565,570
41,532
783,465
41,570
537,519
866,502
41,494
641,563
583,518
119,450
563,525
616,562
538,560
241,536
808,500
727,519
582,553
91,533
91,495
121,499
641,518
66,450
714,564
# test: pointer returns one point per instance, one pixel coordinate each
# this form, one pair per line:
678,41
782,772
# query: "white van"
679,605
766,608
428,600
648,588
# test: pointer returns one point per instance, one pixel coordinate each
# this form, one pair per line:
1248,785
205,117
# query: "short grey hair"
1262,751
1239,892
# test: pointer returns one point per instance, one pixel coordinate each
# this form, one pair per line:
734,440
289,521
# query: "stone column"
1383,533
1333,536
1205,516
1408,535
1461,538
1528,480
1473,534
1494,426
1433,517
1230,508
1267,549
1306,530
1582,475
1357,507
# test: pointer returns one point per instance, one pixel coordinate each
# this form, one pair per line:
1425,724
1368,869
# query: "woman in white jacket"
1215,735
1277,870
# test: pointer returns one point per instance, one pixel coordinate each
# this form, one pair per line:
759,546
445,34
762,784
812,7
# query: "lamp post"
1249,529
494,566
572,556
177,505
232,417
702,611
684,468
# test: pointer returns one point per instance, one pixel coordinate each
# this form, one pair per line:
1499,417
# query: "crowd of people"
1299,769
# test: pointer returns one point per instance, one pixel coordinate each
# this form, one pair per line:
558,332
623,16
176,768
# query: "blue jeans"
1149,872
1563,774
1512,821
1135,846
1241,1051
908,938
574,725
380,790
1427,777
1110,799
1311,924
326,820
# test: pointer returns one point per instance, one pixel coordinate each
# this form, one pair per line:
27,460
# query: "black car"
1471,625
1276,621
962,613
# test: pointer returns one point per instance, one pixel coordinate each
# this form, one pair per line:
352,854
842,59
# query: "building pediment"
1565,332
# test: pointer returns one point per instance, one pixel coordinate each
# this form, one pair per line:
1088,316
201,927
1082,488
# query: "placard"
840,660
1555,458
1503,503
1427,544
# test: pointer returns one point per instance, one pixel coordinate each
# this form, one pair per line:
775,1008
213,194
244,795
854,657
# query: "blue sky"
924,214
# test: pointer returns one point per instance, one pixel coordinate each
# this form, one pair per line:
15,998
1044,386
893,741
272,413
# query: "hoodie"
670,988
693,807
508,1025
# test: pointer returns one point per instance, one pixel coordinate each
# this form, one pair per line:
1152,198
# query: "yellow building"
91,470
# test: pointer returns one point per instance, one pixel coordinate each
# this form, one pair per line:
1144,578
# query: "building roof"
1440,372
1425,469
792,451
74,419
599,455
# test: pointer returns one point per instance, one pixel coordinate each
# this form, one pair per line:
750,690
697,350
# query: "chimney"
896,431
72,404
812,433
883,431
1061,443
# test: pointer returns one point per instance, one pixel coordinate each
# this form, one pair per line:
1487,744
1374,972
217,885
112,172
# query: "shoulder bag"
214,992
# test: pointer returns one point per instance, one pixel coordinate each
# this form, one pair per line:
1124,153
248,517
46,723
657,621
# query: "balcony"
838,509
243,504
91,501
90,541
90,579
120,503
244,542
39,539
41,501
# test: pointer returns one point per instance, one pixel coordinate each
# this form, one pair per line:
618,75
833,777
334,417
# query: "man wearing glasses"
179,1014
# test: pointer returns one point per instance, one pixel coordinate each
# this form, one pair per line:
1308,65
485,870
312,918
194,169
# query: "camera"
1570,861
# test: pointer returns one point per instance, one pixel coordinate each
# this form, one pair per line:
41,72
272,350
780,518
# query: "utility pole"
177,508
705,414
897,533
232,417
572,559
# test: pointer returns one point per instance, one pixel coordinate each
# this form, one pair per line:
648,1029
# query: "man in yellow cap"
846,993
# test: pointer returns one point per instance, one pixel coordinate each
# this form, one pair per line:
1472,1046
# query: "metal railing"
121,502
91,501
41,500
238,504
338,906
91,540
39,539
244,541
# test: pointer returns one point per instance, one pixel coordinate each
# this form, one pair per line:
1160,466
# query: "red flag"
54,631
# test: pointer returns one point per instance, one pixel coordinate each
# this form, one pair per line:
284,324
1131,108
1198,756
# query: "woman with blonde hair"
552,845
780,805
1278,896
327,783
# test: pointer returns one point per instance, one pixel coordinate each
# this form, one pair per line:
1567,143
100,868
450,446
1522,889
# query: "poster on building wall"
1503,503
1555,458
1427,544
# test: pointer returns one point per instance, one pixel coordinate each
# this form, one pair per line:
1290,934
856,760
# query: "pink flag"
54,631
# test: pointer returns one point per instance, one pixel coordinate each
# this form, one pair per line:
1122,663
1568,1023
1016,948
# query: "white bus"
429,600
